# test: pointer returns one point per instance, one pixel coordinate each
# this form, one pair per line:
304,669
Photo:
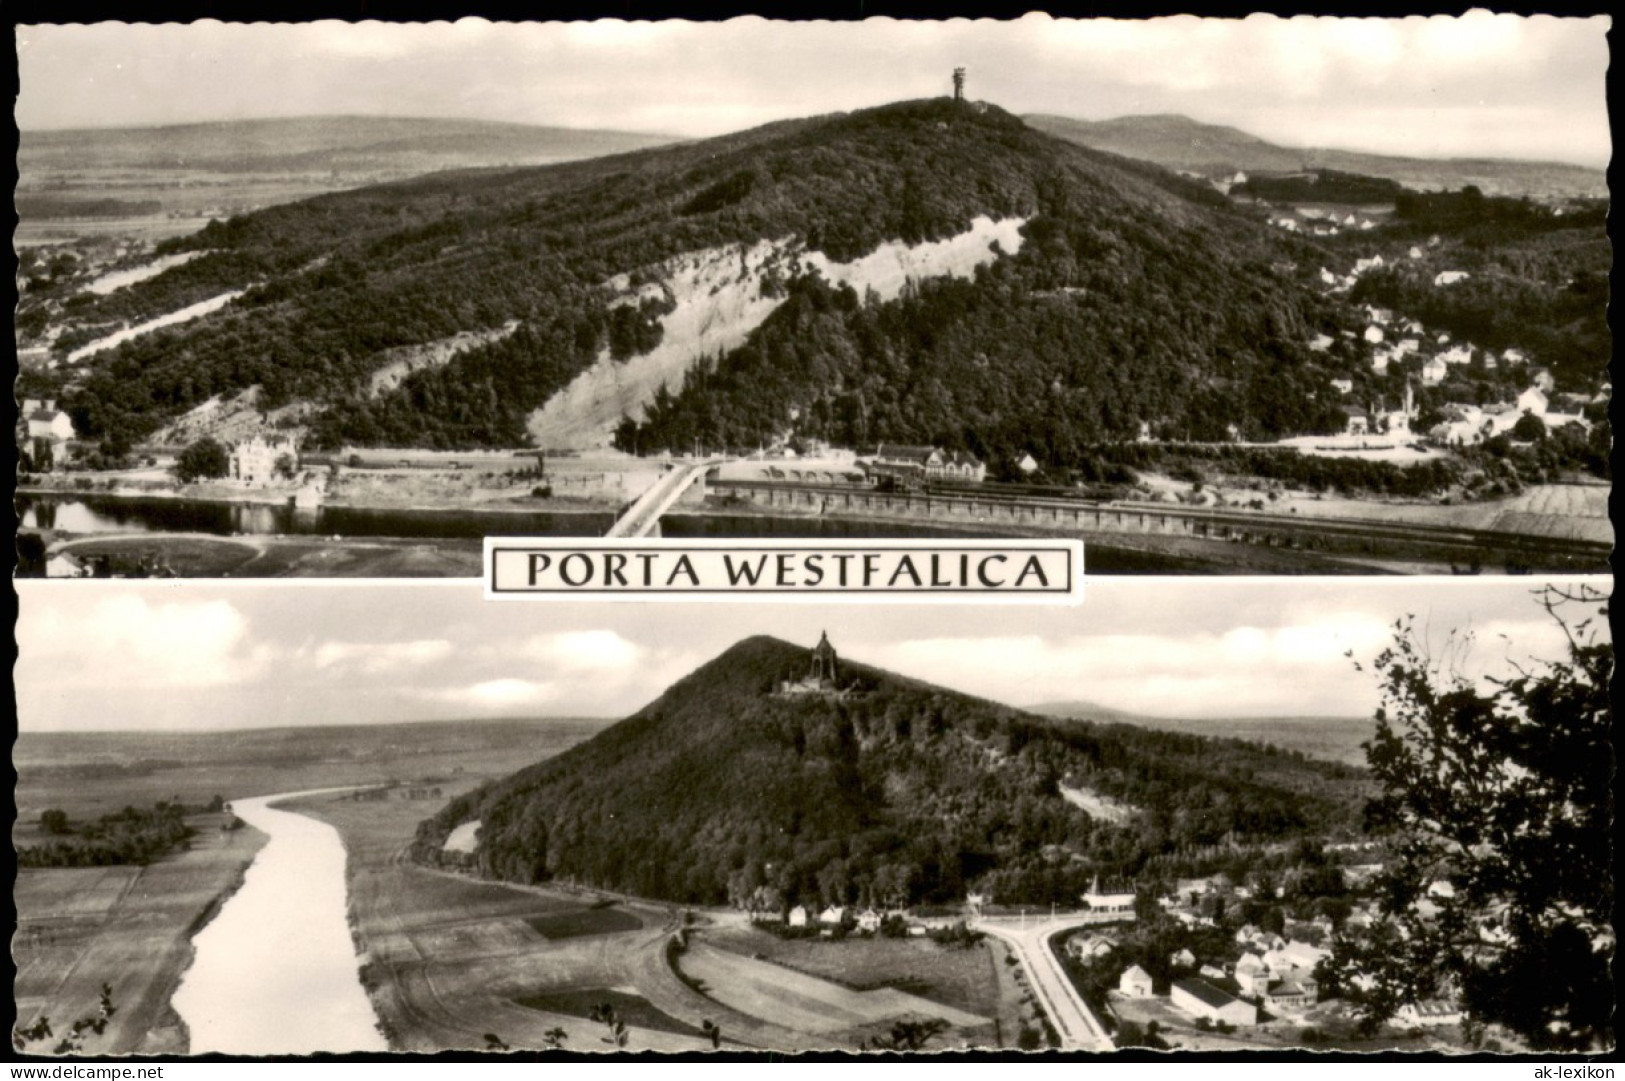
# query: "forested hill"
723,790
1136,296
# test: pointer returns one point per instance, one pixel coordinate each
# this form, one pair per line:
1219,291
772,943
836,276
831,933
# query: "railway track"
1000,506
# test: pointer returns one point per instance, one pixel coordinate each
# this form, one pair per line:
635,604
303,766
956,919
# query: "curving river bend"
275,972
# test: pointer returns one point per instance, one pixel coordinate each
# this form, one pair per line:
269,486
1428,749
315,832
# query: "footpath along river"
275,972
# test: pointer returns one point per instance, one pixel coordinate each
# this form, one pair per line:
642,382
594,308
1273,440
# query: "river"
275,972
85,514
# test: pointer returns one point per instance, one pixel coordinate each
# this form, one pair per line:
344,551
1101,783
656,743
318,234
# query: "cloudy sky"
199,655
1479,85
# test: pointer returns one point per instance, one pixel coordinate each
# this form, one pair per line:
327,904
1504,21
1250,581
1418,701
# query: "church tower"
959,84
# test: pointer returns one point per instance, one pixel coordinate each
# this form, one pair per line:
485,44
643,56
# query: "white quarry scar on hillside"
719,301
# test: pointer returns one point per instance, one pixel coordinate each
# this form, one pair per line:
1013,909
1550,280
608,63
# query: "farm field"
820,1005
447,958
89,774
131,927
962,981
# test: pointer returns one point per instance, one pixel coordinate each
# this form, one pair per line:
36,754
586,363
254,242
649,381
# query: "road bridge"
642,518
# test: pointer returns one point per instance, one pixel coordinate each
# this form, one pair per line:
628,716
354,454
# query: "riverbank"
130,927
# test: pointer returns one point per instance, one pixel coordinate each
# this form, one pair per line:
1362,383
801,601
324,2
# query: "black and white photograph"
1217,296
1035,539
1328,815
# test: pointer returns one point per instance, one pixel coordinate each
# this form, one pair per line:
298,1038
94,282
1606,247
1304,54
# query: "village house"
254,461
1433,372
1457,354
798,916
1252,974
1182,959
1028,465
1356,421
1542,378
869,920
1199,998
65,565
1343,386
1211,972
1117,900
1430,1012
1449,277
1089,947
1301,955
1292,994
1373,334
929,463
1533,400
833,915
46,422
1320,343
1135,982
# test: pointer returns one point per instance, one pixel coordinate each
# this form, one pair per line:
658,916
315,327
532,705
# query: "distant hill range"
1215,151
1335,739
403,146
871,787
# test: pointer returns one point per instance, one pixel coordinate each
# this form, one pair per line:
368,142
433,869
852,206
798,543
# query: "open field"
635,1010
78,927
965,981
447,958
583,923
89,774
813,1004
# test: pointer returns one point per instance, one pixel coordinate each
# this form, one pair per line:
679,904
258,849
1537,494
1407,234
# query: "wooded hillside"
894,791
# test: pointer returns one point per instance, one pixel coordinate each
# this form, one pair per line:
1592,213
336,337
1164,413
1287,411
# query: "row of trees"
133,835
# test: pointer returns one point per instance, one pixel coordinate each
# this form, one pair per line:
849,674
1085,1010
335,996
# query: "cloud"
506,695
583,651
133,640
374,657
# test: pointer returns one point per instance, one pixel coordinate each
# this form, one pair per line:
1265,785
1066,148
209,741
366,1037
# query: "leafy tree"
1529,429
54,821
204,458
1498,796
713,1032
